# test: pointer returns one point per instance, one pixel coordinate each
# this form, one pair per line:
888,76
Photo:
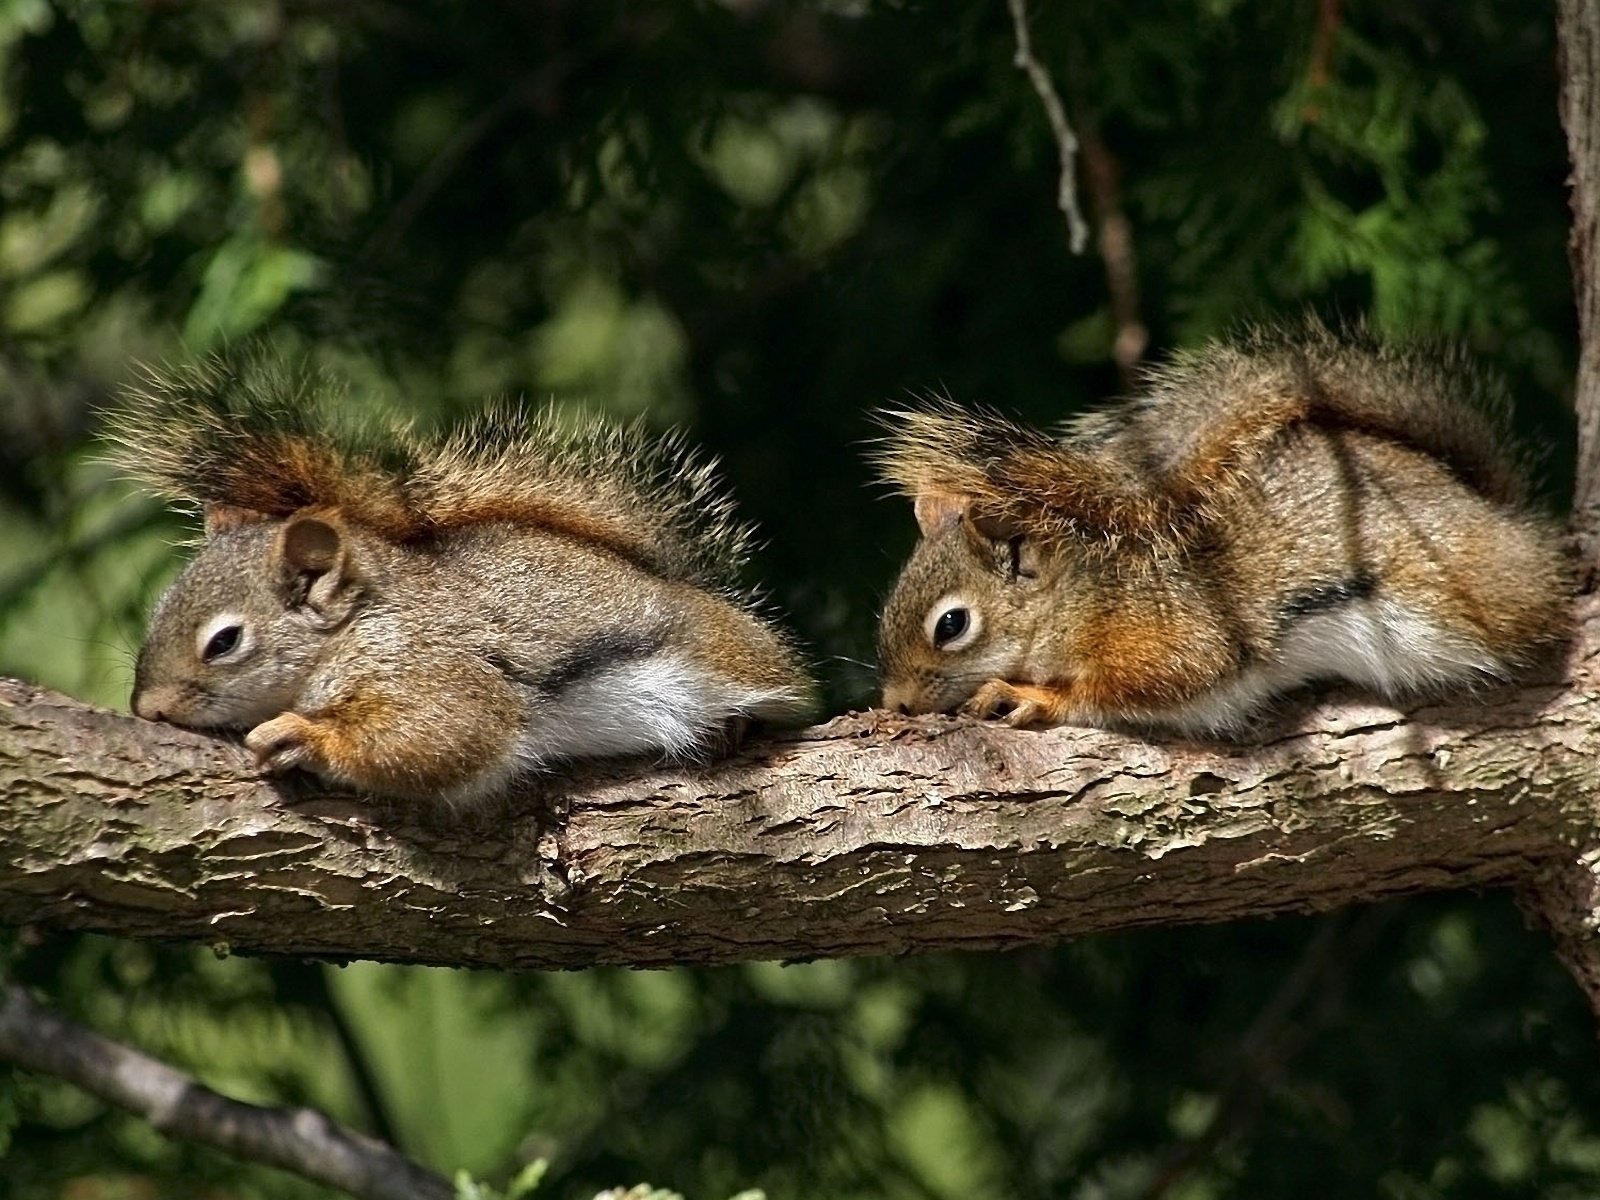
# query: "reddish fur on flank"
1123,664
1132,660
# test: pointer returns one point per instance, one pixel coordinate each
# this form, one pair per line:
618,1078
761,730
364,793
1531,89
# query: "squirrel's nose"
154,703
897,698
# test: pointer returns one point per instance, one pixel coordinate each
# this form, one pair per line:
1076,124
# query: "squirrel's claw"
997,698
1019,705
282,743
1026,713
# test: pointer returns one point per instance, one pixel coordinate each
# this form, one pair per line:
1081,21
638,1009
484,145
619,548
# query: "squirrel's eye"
950,625
222,642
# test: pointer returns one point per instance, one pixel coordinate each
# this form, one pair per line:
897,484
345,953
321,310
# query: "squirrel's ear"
939,511
993,537
311,546
315,561
1002,541
220,518
995,528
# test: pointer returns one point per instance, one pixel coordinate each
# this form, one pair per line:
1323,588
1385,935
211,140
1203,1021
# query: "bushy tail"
652,499
1159,466
254,433
1013,480
250,432
1431,397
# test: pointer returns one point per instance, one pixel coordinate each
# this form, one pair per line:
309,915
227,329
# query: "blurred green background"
757,220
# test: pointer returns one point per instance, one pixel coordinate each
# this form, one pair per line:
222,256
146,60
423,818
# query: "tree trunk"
1579,29
1566,896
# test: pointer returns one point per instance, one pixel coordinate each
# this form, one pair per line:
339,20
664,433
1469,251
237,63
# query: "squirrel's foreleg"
457,745
1025,704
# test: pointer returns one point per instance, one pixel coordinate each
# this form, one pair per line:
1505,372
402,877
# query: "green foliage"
525,1183
528,1179
758,220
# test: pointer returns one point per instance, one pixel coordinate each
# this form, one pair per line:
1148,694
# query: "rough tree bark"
1579,41
868,835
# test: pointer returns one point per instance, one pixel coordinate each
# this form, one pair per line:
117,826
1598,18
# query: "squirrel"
433,616
1288,506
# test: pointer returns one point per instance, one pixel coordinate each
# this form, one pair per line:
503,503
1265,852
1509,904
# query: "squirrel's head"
234,638
963,610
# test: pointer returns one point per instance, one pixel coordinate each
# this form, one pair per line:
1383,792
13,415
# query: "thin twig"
300,1140
1066,140
1102,173
1319,71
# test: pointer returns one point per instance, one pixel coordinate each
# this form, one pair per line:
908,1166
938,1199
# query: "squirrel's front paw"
283,743
997,698
1020,705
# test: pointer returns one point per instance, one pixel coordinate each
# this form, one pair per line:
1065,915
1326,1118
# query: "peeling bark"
868,835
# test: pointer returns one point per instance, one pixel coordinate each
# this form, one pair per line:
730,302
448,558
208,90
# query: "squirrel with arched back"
433,616
1280,508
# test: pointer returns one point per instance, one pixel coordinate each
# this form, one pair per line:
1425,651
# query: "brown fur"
1276,508
434,616
1155,469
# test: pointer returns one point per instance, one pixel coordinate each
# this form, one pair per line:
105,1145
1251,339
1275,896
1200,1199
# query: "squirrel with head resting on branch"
434,616
1283,508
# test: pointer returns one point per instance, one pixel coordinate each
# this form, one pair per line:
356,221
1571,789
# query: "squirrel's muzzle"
901,698
155,703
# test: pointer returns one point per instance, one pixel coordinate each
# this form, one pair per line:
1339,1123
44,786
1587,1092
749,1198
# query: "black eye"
952,624
222,641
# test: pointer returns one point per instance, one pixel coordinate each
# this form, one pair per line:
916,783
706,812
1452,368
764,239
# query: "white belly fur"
1378,644
662,704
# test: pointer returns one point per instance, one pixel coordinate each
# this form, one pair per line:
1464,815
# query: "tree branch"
1060,127
299,1140
1114,237
869,835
